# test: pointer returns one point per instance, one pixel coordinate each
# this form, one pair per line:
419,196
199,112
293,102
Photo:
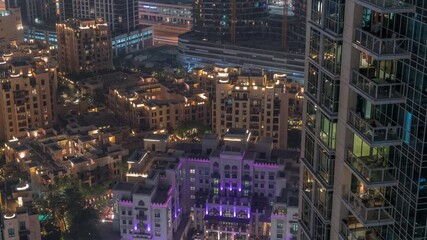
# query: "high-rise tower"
363,174
226,20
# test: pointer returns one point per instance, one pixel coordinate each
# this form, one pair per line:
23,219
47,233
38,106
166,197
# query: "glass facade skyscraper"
364,145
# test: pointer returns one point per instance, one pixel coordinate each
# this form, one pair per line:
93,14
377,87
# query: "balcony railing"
388,6
392,48
377,90
371,170
374,132
370,210
351,231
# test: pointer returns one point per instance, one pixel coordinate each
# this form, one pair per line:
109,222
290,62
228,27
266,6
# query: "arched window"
246,167
141,203
216,165
227,168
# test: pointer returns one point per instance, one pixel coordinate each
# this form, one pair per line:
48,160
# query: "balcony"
392,48
370,209
371,170
387,6
373,132
351,229
377,91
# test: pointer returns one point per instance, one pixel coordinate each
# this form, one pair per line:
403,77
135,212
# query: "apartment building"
11,28
363,174
228,188
128,35
121,15
27,90
153,105
21,219
256,101
84,46
150,205
92,157
233,188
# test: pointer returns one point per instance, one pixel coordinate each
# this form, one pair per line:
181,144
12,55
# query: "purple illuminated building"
237,189
232,188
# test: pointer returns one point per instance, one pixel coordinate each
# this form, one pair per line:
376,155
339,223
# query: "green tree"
190,130
63,202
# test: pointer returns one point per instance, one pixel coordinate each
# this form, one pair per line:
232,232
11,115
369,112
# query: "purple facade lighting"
198,160
265,165
125,203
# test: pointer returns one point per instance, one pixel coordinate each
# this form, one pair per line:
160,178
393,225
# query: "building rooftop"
123,186
55,147
153,137
144,189
161,195
77,160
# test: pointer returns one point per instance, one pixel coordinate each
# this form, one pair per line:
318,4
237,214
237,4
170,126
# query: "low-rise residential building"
153,105
150,204
92,156
21,219
230,188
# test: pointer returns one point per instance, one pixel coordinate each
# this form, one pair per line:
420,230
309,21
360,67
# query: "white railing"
376,88
370,168
374,133
391,4
380,46
367,210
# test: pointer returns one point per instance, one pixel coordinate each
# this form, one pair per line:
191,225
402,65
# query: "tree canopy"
190,130
68,214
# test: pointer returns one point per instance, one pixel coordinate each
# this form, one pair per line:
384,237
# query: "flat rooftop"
78,160
123,186
160,137
144,189
161,195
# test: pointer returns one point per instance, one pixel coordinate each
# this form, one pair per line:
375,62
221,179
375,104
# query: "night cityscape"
213,119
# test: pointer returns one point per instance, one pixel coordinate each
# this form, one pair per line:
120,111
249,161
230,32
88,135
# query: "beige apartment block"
154,106
258,102
84,46
28,83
